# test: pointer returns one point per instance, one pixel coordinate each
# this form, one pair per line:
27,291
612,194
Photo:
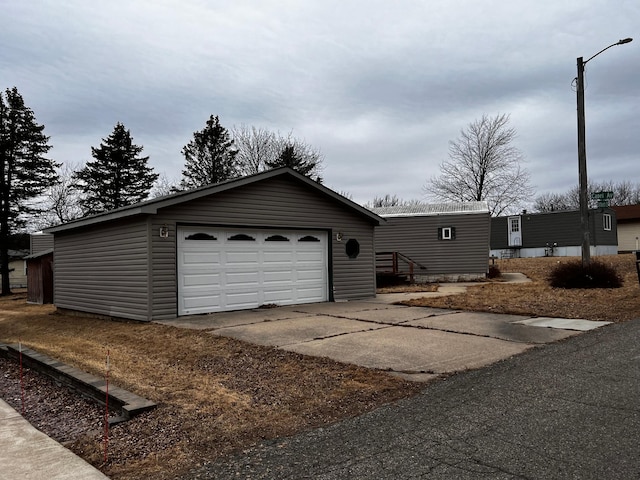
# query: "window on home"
446,233
606,221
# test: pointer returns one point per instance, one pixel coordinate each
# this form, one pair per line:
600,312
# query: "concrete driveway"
414,342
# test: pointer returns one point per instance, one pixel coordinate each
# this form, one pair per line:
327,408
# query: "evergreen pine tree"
289,158
25,172
299,157
118,176
210,156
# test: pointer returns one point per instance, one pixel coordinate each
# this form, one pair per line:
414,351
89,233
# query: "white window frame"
606,222
447,233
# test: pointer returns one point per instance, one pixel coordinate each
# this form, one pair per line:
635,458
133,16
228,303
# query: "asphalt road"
568,410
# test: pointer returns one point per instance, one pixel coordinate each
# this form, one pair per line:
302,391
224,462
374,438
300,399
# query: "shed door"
514,227
223,269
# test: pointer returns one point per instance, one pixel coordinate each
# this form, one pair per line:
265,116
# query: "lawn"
218,395
539,299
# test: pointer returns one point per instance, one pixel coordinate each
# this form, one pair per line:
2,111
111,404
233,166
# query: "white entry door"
222,269
514,226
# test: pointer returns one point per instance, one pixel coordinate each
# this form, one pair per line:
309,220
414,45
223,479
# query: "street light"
582,156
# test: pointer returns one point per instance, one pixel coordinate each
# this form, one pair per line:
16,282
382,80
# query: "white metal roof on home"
425,209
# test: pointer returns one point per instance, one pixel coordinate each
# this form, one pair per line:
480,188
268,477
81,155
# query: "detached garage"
275,238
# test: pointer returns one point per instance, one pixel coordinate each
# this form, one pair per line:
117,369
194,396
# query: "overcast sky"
379,87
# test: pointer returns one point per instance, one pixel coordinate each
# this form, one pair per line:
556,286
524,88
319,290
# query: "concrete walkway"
417,343
27,453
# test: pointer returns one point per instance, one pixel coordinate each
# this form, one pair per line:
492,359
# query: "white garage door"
232,269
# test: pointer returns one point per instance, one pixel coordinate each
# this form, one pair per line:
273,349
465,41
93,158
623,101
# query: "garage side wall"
418,238
276,203
104,270
40,242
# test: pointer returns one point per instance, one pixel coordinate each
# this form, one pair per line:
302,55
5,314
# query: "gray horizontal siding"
600,236
104,270
562,228
278,202
40,243
417,238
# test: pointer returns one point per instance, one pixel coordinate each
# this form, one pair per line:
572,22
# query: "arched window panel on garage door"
241,237
276,238
200,236
309,238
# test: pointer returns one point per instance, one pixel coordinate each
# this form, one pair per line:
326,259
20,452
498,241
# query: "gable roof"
428,209
151,207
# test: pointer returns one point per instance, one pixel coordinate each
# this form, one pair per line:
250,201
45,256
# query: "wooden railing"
395,263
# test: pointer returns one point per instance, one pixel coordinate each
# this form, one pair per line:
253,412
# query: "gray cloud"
379,87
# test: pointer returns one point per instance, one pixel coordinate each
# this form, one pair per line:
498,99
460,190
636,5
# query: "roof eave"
101,218
151,207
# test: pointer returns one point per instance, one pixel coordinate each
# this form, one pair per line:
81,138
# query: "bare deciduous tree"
624,193
553,202
260,149
61,202
386,201
164,186
256,146
390,201
483,165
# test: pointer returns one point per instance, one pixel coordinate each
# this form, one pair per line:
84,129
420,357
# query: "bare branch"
484,165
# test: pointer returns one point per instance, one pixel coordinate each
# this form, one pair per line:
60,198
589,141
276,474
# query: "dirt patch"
418,287
215,395
539,299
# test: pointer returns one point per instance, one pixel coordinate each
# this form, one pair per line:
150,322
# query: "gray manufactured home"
553,234
272,238
445,242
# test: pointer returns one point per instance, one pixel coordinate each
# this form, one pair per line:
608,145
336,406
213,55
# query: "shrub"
573,275
494,272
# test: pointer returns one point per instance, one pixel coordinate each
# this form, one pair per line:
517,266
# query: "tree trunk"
4,255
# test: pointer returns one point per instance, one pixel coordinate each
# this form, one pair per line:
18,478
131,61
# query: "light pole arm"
619,42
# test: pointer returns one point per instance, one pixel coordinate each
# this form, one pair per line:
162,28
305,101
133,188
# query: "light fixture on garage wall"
164,232
339,236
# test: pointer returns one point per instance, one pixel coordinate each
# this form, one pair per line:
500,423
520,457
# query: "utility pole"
582,156
582,169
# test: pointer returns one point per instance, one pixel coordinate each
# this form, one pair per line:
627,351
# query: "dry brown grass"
539,299
215,395
418,287
218,395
